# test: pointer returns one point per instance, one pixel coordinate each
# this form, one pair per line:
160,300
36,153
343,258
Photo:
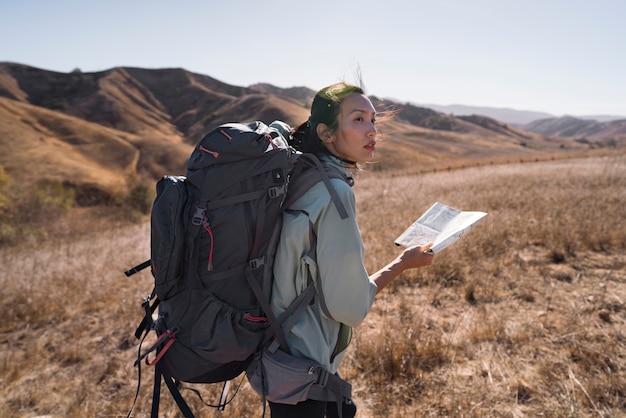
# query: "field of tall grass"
524,316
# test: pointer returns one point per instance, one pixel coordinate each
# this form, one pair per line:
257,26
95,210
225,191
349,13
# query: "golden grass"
524,316
38,143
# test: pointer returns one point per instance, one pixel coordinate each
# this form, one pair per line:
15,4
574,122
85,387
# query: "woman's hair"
324,109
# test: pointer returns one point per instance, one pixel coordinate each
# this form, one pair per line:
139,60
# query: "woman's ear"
324,133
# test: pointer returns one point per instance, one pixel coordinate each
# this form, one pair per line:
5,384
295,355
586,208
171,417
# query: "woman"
342,132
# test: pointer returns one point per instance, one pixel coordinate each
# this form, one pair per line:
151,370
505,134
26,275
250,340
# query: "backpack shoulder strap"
309,171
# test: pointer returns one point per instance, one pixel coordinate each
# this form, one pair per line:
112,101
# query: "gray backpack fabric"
214,234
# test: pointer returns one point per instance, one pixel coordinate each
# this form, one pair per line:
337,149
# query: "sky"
563,57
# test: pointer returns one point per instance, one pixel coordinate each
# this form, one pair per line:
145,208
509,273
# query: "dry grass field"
525,316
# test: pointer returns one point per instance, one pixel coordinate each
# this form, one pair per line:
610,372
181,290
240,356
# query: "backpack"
213,238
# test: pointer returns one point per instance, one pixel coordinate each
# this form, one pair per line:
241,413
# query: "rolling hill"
588,130
112,128
511,116
505,115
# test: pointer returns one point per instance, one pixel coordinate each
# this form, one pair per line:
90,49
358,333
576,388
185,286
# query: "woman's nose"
372,132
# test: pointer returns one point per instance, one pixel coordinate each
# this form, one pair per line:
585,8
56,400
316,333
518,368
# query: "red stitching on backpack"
210,231
223,132
251,318
213,153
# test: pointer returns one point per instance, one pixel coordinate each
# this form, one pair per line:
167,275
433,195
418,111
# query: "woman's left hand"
417,256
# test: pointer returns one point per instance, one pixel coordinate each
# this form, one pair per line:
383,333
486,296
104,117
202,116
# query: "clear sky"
556,56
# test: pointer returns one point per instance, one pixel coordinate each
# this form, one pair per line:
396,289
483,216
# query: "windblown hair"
325,109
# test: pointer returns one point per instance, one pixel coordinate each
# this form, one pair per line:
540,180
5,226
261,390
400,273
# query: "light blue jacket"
344,291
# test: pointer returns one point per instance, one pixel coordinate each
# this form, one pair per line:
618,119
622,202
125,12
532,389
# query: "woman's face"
355,137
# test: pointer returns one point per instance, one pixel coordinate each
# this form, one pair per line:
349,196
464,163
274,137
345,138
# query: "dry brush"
524,316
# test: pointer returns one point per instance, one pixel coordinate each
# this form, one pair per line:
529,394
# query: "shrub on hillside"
4,182
90,194
34,211
139,198
27,212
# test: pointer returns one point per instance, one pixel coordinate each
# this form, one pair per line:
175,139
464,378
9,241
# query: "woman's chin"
368,158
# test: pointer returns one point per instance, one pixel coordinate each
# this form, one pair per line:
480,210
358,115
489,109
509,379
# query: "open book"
441,225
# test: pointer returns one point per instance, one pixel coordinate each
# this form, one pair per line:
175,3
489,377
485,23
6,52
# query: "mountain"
511,116
503,114
106,130
302,95
602,118
431,119
167,103
584,130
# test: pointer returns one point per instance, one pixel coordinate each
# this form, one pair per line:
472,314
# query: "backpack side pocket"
167,235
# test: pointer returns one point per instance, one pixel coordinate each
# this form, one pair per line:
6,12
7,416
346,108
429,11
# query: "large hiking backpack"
213,237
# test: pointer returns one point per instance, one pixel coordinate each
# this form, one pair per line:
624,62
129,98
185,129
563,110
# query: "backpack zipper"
207,228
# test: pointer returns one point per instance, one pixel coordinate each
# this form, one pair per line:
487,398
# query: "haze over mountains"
113,127
513,116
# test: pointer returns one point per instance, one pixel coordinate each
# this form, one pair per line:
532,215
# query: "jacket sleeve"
346,292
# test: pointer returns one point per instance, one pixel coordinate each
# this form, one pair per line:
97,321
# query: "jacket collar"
339,164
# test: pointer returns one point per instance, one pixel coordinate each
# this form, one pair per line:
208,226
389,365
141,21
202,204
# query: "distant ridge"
506,115
509,115
111,128
568,126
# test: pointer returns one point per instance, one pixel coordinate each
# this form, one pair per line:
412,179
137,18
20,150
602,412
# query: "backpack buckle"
322,377
256,263
274,192
198,217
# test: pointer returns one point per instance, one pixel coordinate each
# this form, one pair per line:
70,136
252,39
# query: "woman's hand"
412,257
418,256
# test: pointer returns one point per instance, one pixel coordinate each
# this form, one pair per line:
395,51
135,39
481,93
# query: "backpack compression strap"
279,327
309,172
305,178
173,387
